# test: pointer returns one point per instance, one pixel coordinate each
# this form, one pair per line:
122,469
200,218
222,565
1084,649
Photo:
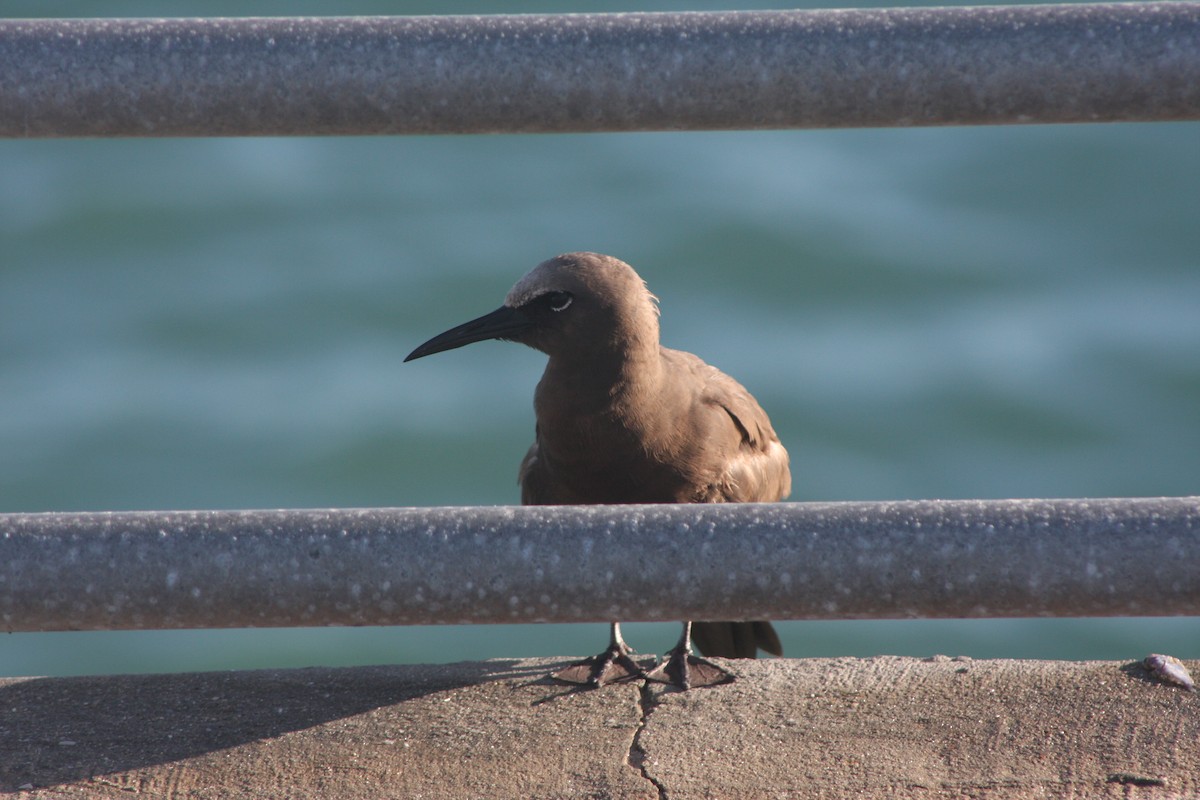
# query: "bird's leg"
614,665
686,671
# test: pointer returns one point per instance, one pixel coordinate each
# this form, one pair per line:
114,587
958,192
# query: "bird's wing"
753,469
757,472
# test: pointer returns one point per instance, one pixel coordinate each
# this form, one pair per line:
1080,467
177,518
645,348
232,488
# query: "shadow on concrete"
58,730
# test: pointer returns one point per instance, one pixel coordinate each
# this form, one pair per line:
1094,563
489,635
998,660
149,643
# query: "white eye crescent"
560,302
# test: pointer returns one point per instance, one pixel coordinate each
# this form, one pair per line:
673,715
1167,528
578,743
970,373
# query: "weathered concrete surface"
863,728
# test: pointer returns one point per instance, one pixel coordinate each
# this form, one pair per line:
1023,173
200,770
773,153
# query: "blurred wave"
924,313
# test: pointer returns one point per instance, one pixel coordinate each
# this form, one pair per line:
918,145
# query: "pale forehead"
537,281
603,277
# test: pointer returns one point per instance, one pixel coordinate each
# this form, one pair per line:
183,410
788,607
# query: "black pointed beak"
503,323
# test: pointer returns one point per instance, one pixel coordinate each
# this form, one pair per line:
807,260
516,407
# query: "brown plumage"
622,419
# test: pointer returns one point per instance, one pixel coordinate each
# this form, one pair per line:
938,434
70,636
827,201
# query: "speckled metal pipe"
1004,558
600,72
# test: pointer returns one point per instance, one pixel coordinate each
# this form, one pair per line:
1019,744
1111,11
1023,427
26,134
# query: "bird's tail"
735,639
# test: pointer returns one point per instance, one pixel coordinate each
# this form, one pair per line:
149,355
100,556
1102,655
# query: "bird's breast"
603,461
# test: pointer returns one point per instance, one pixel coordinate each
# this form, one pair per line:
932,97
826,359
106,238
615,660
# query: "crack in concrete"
636,758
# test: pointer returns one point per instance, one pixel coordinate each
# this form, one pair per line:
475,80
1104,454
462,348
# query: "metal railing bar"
935,559
600,72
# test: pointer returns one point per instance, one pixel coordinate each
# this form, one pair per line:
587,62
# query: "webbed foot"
601,670
686,671
614,665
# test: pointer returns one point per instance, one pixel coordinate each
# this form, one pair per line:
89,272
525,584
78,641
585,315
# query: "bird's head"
575,303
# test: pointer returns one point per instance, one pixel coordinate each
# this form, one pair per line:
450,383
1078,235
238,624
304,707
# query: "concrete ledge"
879,727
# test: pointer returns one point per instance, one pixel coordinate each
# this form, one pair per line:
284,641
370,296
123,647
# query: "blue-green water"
1002,312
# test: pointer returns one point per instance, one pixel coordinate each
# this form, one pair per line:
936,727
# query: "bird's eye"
557,301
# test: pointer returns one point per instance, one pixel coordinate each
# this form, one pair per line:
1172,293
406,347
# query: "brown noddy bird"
622,419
